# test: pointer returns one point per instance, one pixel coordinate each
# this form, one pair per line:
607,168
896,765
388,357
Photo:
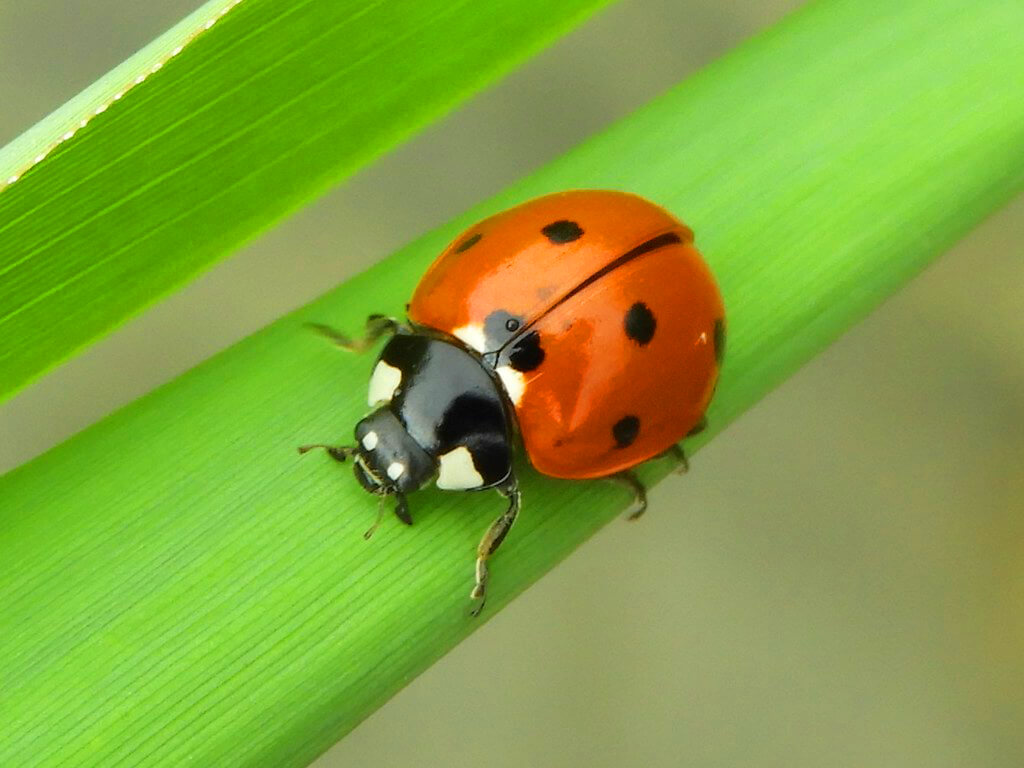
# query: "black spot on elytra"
527,354
561,232
625,431
468,243
640,323
719,340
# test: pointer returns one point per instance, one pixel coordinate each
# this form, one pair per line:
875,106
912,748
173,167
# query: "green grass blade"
179,585
212,133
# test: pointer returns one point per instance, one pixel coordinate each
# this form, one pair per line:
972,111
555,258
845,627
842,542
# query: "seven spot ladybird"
584,322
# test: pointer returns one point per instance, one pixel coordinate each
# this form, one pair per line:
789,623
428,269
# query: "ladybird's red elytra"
584,323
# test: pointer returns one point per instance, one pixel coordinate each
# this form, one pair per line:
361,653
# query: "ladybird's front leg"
491,541
402,509
376,327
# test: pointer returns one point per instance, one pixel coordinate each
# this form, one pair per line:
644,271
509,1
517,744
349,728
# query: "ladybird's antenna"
336,452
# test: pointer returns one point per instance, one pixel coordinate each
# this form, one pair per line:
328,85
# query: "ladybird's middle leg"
376,327
491,541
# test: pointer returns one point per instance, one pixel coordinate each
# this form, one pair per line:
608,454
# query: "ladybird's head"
387,459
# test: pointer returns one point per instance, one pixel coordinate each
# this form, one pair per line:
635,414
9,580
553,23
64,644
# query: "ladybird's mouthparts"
367,478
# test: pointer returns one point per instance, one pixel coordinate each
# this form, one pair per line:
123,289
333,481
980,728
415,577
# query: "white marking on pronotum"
383,383
457,471
370,441
472,335
127,86
395,470
514,382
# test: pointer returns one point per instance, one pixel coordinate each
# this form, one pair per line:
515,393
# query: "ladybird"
583,323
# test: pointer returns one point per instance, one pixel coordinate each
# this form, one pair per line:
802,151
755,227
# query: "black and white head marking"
387,457
439,398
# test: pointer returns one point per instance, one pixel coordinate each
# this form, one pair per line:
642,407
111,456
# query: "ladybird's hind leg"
376,327
492,540
678,455
632,482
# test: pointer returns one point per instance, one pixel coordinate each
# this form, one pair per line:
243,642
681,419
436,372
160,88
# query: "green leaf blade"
253,117
206,594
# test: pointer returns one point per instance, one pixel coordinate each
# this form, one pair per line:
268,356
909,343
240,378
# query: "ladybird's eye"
511,325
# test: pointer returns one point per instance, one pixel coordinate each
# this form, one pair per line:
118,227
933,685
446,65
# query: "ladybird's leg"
699,427
402,509
336,452
376,327
677,453
631,481
491,541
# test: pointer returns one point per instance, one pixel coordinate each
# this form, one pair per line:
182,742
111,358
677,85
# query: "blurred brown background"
838,582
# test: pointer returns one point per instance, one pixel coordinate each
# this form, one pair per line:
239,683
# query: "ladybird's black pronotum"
584,322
